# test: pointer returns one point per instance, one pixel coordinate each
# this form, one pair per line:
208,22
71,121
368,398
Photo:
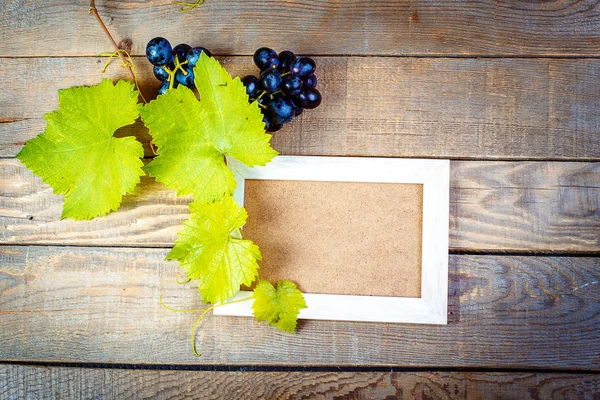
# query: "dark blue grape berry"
186,80
274,127
181,51
194,55
266,58
159,51
299,111
303,66
165,86
310,82
160,73
308,98
286,58
291,85
270,79
267,123
280,110
252,85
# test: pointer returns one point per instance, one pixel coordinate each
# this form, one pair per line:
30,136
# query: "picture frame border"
433,174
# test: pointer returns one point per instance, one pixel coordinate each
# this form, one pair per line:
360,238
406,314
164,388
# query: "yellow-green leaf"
78,156
279,307
193,137
210,249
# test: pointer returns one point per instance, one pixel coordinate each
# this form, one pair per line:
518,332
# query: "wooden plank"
382,106
71,304
19,382
508,206
319,27
525,206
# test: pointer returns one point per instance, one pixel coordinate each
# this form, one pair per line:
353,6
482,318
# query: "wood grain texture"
101,305
63,27
525,205
509,206
375,106
17,382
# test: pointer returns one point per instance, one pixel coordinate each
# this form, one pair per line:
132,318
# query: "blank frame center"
350,238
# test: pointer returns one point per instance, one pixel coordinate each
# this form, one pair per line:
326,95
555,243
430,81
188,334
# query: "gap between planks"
292,368
481,56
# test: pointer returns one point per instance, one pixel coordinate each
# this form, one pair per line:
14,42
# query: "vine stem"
204,312
193,332
127,65
188,6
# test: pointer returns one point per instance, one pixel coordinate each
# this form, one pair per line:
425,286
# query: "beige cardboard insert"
338,237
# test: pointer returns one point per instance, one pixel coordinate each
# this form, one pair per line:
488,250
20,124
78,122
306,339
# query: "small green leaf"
78,156
279,307
193,137
208,250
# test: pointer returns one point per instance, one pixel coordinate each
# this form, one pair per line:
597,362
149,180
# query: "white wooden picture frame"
431,307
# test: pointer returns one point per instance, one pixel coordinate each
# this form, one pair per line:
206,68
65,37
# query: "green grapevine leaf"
194,136
209,248
279,307
77,154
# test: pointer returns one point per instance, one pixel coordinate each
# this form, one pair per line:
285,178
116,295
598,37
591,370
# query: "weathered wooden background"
510,91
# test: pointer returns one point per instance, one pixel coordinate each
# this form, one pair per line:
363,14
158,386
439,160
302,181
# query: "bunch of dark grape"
173,65
286,86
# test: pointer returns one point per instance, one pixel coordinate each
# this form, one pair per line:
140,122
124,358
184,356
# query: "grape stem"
178,66
94,12
262,93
